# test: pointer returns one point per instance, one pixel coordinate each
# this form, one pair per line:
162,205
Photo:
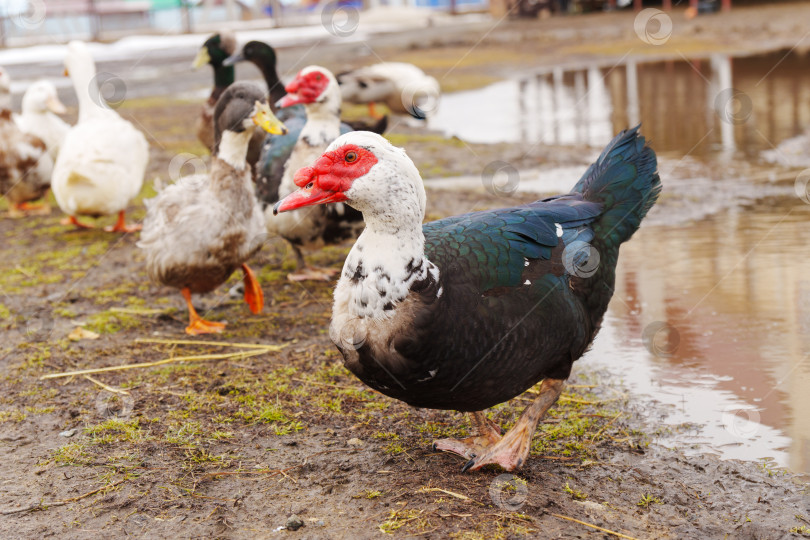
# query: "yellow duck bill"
265,119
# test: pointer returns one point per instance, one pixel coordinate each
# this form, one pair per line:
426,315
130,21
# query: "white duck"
39,104
403,87
198,231
103,159
25,166
317,89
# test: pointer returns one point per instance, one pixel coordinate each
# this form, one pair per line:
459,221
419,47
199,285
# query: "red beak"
289,100
311,194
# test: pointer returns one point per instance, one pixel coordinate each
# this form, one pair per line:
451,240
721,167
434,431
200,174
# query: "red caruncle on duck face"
305,88
329,177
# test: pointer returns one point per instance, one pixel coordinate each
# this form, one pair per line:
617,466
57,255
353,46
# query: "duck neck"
224,76
233,146
323,123
91,101
274,85
382,268
389,257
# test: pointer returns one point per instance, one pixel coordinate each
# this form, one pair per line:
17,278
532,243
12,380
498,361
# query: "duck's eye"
350,157
309,186
318,77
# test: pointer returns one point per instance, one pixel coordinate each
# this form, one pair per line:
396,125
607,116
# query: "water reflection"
736,289
718,105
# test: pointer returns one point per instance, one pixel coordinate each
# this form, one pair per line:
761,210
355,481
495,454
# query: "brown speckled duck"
25,165
198,231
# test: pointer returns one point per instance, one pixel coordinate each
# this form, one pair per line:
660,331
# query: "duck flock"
462,313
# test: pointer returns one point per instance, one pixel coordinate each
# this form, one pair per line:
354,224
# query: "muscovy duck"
403,87
316,88
277,150
469,311
25,165
103,159
198,231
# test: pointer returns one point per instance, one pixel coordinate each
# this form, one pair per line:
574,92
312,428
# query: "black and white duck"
467,312
317,90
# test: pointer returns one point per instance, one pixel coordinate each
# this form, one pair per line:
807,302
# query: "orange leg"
30,208
121,225
512,450
373,111
78,224
253,291
488,435
196,324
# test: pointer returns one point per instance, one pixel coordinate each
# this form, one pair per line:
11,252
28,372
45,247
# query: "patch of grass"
12,416
574,493
115,430
40,410
36,358
64,313
647,500
110,322
803,530
184,434
5,313
368,494
71,454
394,448
398,519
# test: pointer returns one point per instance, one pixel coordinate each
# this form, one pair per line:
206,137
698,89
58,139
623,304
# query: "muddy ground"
235,446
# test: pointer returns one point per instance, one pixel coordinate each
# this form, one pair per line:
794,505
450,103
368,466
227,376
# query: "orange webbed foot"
121,225
76,223
26,209
489,434
196,324
201,326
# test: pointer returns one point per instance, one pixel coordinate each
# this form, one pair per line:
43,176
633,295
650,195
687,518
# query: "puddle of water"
731,296
733,290
720,104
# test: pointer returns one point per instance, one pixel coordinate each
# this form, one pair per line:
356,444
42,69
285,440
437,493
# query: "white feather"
38,120
102,162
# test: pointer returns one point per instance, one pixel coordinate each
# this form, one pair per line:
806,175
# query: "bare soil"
233,447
